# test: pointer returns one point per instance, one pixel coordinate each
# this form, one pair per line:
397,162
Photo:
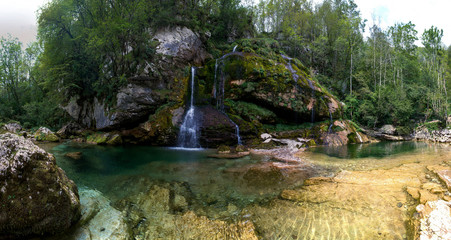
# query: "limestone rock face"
388,129
134,102
36,196
440,136
12,127
70,129
182,43
147,88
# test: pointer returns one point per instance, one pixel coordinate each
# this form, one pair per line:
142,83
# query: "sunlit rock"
435,222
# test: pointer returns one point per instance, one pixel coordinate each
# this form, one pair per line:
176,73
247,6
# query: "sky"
18,17
422,13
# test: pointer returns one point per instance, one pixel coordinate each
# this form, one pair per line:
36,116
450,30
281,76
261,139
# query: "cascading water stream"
234,48
188,135
331,122
313,97
219,92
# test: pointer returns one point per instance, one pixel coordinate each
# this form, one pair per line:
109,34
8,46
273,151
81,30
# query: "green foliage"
280,127
251,112
433,125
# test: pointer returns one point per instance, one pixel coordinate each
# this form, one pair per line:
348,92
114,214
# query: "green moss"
311,143
223,148
288,127
251,112
115,140
47,137
97,138
352,138
240,148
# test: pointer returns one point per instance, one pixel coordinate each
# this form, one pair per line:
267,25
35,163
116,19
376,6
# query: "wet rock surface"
344,206
36,196
435,222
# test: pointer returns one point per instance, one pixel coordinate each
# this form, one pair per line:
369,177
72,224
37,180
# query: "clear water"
375,150
105,167
362,203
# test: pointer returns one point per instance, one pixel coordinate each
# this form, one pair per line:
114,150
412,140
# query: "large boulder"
12,127
45,134
69,130
36,196
273,81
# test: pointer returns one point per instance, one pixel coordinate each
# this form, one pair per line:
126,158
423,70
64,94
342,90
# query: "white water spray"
188,135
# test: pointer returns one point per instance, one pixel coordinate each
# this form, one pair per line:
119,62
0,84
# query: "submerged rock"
36,196
100,219
74,155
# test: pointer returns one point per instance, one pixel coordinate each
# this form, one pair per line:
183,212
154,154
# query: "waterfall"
219,83
237,132
215,83
331,122
219,92
188,135
234,48
313,97
360,138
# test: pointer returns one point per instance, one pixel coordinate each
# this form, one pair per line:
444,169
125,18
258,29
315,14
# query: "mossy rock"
37,198
45,134
98,138
116,139
240,148
268,84
223,149
311,143
352,138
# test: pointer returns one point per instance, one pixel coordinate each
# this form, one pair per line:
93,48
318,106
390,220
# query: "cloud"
18,18
423,14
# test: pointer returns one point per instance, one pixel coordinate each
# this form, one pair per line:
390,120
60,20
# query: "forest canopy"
84,49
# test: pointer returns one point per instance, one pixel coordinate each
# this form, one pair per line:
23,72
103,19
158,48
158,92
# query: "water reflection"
375,150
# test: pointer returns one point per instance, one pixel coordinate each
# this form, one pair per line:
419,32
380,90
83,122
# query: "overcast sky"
18,17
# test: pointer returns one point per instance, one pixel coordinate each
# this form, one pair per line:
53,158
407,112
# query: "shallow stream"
365,199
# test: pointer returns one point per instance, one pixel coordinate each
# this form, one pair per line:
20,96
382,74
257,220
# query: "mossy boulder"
223,149
36,197
98,138
115,139
12,127
45,134
272,81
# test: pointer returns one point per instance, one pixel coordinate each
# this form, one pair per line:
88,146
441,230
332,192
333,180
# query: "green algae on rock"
36,197
45,134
